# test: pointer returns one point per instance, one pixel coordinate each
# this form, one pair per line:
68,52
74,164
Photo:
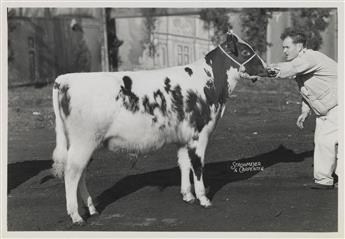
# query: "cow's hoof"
78,220
205,202
94,218
189,198
93,212
191,201
94,215
79,223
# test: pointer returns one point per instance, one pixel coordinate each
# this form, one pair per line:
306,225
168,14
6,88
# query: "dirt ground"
269,193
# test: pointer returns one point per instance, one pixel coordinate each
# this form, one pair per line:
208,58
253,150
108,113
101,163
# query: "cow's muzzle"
244,75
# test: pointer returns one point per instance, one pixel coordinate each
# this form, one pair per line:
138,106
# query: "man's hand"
272,71
301,119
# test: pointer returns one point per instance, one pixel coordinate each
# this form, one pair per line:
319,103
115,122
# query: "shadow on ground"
216,175
20,172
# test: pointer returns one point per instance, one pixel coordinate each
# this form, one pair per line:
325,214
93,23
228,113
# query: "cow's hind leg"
185,167
84,193
77,159
196,153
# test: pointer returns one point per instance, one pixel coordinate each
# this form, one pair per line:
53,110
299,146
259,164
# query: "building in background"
44,43
177,40
182,39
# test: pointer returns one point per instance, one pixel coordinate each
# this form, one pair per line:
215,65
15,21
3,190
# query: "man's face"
291,49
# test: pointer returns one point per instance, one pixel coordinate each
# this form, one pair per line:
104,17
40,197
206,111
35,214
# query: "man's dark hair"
297,36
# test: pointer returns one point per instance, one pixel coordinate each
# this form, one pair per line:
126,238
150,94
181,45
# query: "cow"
142,111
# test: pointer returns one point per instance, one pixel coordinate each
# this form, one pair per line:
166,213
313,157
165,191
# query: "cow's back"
97,110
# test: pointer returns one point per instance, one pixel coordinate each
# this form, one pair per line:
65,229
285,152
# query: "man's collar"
303,51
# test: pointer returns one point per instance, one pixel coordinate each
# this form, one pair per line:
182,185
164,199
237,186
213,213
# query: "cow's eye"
245,53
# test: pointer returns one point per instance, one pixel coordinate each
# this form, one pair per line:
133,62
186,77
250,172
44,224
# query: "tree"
12,25
254,26
253,22
114,42
150,20
218,19
312,21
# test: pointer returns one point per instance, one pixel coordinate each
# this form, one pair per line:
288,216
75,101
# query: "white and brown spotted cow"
142,111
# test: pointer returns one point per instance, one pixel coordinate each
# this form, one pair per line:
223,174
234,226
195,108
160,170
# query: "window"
31,43
32,65
179,55
163,56
182,55
186,55
32,58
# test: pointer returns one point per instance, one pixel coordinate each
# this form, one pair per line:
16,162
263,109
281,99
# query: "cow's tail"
60,151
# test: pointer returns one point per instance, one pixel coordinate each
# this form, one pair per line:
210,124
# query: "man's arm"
299,65
305,107
305,113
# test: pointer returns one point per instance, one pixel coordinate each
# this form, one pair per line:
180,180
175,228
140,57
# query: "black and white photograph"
182,119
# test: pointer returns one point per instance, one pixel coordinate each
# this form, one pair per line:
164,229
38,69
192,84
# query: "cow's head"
243,56
231,60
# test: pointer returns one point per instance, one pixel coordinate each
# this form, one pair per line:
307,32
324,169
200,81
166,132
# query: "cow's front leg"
196,153
185,167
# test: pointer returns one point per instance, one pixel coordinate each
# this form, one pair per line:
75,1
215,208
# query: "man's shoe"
321,186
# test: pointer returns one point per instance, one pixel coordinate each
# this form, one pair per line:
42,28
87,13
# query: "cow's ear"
231,43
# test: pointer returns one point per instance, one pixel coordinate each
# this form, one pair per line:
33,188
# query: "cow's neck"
225,73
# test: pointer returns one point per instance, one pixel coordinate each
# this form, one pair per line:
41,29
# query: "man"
316,76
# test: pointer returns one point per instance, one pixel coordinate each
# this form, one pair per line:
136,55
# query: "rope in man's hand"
271,72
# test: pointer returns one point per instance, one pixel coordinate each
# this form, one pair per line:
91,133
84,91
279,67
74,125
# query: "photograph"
172,120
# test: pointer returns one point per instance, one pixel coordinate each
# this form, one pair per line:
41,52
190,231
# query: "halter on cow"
142,111
241,65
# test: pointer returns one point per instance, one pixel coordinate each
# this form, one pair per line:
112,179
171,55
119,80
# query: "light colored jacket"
316,76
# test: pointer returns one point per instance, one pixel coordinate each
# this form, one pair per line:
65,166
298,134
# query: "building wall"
57,12
178,40
94,40
46,47
131,31
33,51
